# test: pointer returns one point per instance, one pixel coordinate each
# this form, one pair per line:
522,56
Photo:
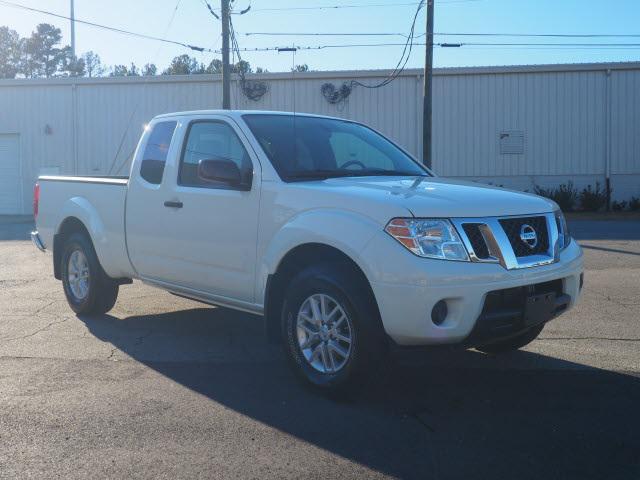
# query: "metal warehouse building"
512,126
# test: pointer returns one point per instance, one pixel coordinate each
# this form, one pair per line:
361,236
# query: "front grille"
477,240
513,226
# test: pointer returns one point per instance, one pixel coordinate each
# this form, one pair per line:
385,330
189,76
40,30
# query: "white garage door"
10,179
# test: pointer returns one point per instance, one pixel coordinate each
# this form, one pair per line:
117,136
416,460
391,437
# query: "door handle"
171,204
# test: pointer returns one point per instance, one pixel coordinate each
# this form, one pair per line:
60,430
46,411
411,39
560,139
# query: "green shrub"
634,204
593,199
618,206
565,195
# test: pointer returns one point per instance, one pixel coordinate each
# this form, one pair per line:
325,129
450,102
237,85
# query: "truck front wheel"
89,290
330,329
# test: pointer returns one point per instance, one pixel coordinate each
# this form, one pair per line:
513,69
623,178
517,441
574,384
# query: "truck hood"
442,197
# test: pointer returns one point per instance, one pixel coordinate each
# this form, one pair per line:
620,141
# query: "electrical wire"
350,34
211,10
137,104
556,35
450,45
105,27
354,5
397,34
404,58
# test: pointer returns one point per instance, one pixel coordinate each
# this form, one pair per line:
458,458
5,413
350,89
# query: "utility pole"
226,68
73,29
428,89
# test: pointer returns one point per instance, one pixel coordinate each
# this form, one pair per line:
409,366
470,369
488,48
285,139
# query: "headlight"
563,230
432,238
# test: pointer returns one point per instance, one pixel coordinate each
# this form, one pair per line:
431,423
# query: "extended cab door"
196,234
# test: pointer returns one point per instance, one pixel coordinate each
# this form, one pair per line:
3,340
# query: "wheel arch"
296,259
68,227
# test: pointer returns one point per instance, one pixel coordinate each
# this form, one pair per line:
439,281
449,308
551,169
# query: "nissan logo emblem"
528,236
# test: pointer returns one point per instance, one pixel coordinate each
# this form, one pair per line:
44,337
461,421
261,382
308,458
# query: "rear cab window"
155,152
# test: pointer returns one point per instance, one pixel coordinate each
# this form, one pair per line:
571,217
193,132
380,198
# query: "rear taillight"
36,200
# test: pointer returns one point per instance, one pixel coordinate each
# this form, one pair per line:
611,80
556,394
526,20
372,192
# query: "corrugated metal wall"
573,118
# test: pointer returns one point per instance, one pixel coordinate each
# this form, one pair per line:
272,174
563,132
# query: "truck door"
197,234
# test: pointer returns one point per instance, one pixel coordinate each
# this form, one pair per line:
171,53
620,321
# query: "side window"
210,140
155,152
349,148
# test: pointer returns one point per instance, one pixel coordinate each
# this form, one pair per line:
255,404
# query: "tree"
41,57
9,53
241,67
92,64
301,68
70,65
215,66
149,70
124,71
184,65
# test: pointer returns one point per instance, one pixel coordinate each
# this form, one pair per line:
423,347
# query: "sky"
188,21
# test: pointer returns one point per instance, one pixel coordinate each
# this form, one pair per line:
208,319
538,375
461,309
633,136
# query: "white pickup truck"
338,237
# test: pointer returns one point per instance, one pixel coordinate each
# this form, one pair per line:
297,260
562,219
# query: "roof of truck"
239,113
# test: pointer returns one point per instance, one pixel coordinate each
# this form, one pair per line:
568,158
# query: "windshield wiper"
317,174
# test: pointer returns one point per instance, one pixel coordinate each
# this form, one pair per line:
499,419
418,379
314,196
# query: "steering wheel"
354,162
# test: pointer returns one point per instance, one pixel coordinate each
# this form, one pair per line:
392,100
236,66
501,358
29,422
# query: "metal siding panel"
625,124
561,112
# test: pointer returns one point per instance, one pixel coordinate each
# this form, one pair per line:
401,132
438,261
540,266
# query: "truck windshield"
310,148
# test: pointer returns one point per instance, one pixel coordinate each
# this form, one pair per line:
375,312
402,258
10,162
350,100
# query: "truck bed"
99,203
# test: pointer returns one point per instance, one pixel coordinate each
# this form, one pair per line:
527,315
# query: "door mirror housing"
222,170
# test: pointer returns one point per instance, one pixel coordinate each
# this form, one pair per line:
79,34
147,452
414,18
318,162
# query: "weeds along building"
520,127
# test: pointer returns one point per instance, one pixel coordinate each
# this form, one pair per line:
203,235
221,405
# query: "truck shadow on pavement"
448,414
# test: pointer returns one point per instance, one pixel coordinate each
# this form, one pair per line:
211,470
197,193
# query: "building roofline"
335,75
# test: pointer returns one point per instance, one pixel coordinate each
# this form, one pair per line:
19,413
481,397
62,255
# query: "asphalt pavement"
163,387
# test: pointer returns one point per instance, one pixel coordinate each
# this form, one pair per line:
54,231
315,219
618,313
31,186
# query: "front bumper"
37,241
407,288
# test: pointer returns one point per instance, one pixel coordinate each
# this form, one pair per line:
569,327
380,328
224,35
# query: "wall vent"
511,142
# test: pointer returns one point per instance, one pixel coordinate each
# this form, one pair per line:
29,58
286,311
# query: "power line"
550,44
404,58
446,45
335,7
104,27
389,34
350,34
556,35
347,6
355,5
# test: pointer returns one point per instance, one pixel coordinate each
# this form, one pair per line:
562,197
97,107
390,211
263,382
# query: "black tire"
513,343
102,290
368,341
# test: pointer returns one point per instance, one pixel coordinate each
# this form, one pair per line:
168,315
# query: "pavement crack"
112,353
421,421
40,330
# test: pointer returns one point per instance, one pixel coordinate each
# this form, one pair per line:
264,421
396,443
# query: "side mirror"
220,170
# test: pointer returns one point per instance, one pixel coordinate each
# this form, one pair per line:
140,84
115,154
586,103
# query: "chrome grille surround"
500,248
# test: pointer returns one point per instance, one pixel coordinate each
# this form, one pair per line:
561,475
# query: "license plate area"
539,308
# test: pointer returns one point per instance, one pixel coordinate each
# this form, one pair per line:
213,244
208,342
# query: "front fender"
346,231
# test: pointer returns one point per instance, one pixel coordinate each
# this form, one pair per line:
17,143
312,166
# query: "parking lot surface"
163,387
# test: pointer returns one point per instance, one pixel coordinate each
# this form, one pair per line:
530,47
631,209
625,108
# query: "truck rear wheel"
513,343
331,329
89,290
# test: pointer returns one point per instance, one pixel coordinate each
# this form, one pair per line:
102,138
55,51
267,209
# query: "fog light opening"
439,312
